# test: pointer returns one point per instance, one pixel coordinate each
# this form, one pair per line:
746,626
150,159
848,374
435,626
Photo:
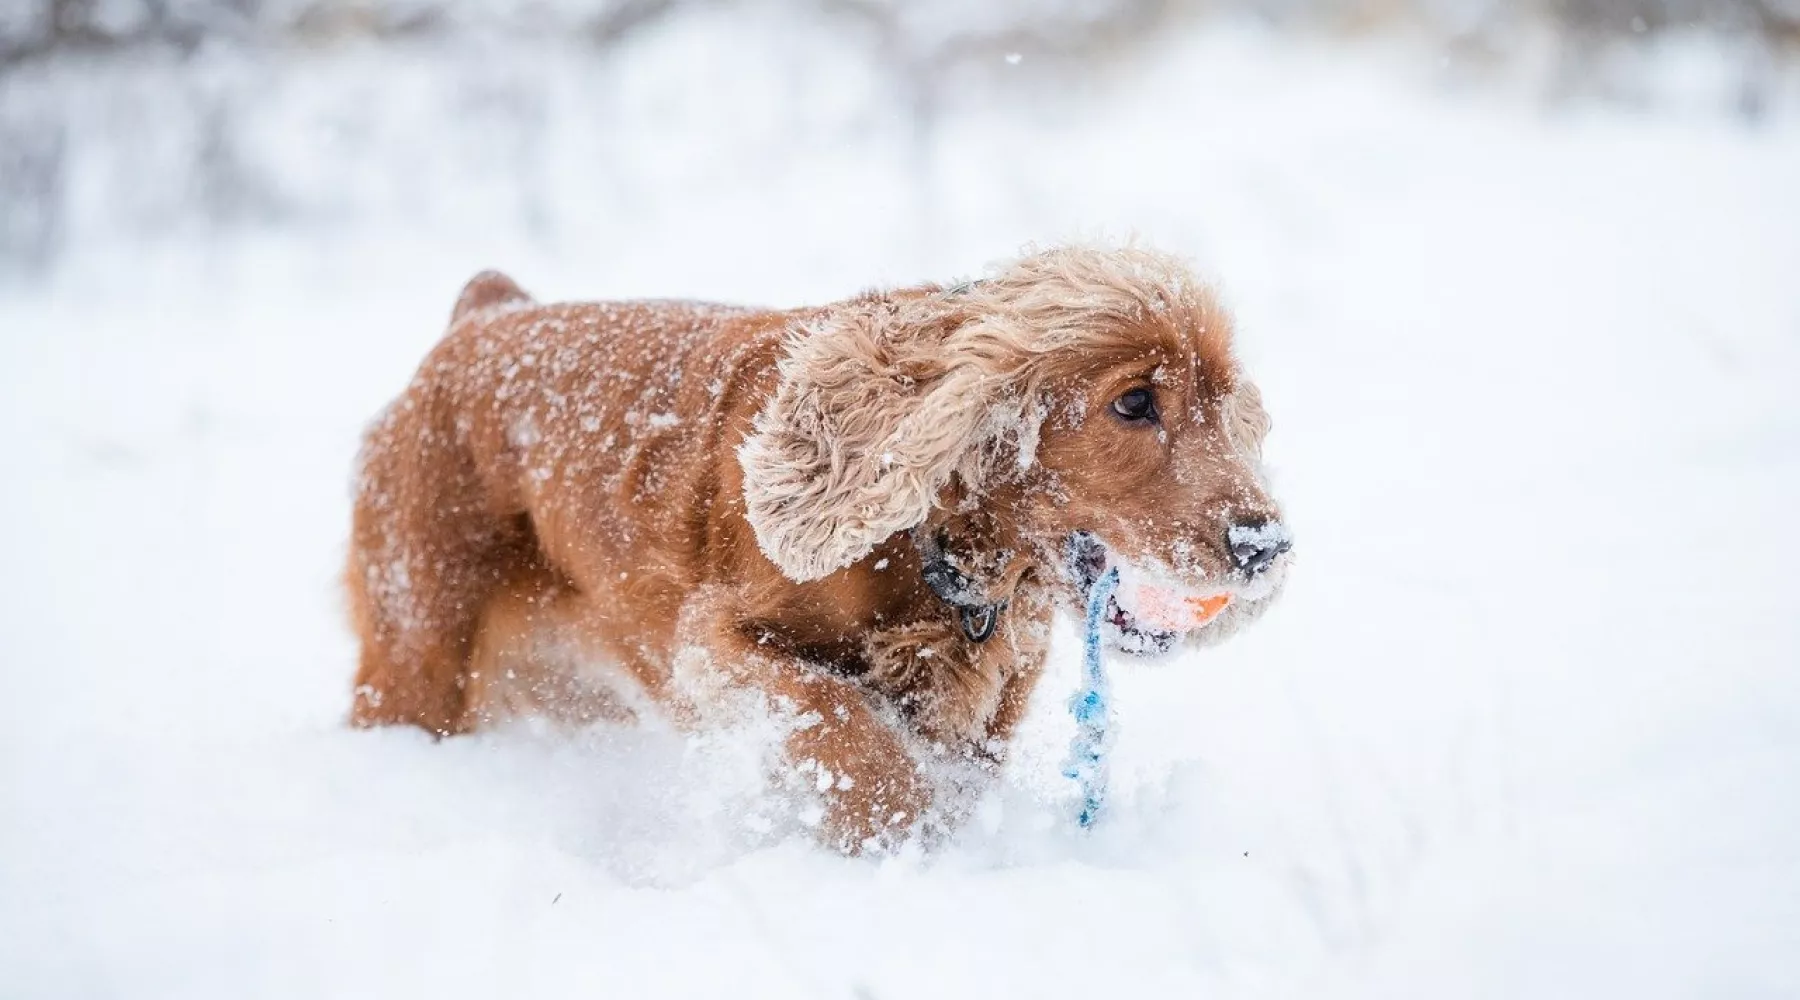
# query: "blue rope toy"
1092,709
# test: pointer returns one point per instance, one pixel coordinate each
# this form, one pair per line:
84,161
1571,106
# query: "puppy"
858,518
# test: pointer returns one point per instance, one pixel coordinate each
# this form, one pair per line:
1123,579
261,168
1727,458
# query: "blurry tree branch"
35,29
920,38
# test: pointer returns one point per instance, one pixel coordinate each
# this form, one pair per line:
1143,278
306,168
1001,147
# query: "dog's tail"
486,290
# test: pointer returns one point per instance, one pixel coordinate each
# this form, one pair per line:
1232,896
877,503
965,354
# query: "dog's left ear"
880,403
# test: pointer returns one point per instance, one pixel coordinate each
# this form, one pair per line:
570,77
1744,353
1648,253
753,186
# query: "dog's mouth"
1144,616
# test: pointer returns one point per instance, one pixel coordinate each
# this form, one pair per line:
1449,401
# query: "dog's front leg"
834,741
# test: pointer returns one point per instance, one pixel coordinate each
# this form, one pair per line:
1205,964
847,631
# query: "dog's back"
503,469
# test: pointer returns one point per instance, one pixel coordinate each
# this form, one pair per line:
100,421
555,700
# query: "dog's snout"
1255,545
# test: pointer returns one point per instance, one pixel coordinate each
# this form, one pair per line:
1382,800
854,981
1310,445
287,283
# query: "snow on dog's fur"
588,510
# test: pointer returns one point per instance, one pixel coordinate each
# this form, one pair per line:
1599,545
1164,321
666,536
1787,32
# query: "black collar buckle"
979,623
979,619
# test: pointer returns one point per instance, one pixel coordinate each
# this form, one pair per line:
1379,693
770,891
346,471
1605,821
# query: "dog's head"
1080,409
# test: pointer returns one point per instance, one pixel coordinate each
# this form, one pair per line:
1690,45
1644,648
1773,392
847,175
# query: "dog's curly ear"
876,410
1247,420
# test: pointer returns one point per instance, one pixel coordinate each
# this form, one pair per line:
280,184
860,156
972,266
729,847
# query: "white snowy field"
1526,723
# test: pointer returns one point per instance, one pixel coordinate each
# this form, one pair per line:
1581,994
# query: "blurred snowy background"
1521,283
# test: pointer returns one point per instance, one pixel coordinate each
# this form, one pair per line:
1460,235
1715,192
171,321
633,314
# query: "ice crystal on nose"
1271,535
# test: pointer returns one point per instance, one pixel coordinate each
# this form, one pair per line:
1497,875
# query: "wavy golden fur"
595,510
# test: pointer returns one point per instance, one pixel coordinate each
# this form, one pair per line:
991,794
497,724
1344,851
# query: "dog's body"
857,516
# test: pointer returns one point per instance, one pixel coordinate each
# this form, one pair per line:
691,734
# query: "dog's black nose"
1255,545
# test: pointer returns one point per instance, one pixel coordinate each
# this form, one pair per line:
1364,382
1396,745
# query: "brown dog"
858,518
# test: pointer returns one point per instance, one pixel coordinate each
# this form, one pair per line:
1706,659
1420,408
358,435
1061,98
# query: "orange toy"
1173,611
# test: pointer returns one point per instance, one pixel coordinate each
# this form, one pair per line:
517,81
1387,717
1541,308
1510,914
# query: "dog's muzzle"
1151,612
1085,561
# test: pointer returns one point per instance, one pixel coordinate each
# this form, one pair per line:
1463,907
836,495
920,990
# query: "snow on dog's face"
1083,404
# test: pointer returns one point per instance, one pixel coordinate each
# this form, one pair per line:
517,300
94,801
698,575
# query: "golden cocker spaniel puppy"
858,518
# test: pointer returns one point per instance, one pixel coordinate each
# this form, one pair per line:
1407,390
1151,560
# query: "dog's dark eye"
1136,405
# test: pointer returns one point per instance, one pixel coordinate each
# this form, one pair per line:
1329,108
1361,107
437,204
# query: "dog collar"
979,618
978,623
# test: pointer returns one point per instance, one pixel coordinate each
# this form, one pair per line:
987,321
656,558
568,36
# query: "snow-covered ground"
1526,724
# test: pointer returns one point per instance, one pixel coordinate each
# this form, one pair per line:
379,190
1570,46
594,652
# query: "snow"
1262,536
1518,726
